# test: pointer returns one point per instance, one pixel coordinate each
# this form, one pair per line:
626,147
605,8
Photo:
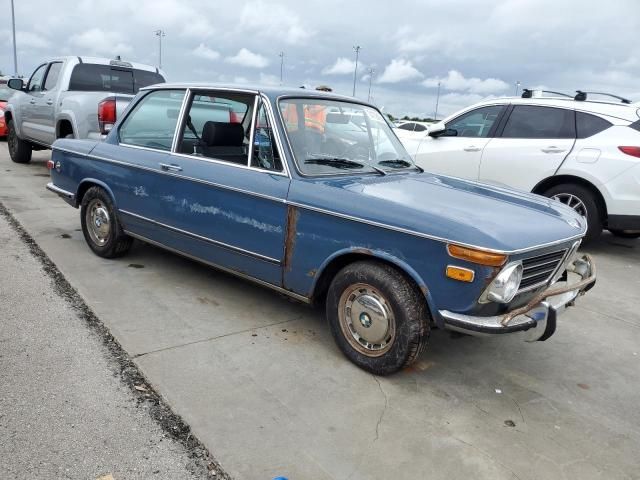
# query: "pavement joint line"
211,339
608,315
169,422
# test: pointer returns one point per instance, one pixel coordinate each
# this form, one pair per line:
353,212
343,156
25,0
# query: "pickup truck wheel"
100,226
377,317
583,202
19,150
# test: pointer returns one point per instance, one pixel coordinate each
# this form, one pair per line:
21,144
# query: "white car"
582,152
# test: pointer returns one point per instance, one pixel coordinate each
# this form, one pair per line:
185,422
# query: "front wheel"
377,317
100,226
19,150
583,202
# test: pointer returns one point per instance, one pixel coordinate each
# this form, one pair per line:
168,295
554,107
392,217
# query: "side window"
476,123
35,82
407,126
265,153
152,122
587,125
419,128
216,126
539,122
52,76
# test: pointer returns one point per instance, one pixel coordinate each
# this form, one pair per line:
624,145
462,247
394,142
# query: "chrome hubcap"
98,222
366,320
572,201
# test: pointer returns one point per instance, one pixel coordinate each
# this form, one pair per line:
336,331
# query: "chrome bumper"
538,317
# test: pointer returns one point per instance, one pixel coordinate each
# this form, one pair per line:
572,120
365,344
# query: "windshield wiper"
399,163
343,163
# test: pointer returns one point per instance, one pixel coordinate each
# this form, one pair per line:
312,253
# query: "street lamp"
355,71
371,71
435,115
15,53
517,87
281,55
160,34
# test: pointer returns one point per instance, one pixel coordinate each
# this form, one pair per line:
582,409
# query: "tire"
589,208
625,233
100,225
392,325
19,150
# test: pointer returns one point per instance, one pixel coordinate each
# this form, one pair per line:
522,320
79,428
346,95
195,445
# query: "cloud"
410,42
457,82
274,21
205,52
342,66
98,41
246,58
268,79
399,70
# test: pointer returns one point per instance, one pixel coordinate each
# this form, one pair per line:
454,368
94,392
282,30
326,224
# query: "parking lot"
263,386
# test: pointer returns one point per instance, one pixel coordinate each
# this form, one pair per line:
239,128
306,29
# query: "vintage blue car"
311,194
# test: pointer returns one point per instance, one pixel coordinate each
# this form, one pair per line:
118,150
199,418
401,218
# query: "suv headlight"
505,286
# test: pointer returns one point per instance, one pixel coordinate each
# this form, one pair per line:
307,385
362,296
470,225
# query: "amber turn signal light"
477,256
460,273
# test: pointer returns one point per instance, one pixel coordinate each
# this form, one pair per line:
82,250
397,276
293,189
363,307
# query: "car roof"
618,110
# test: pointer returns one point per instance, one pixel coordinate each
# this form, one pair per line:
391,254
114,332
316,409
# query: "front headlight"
1,113
506,284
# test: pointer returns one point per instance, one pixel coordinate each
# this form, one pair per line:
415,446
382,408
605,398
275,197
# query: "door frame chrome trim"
297,296
217,243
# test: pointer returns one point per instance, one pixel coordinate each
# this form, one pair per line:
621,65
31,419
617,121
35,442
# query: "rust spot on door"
312,273
290,237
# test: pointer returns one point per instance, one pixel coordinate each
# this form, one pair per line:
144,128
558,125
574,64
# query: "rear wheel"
583,202
625,233
100,226
377,317
19,150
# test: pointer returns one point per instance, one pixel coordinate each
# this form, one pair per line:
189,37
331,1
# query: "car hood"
445,208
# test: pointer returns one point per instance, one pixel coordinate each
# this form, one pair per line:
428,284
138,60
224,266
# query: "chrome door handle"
174,168
472,148
49,102
553,150
32,101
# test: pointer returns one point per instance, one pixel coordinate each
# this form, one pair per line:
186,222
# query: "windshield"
5,93
332,137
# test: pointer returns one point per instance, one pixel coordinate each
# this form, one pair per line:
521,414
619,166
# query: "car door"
532,145
30,126
44,107
458,153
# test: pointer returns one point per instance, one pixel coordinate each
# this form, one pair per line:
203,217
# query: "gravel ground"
72,405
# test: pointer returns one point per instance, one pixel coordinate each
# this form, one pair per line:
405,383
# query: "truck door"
29,127
45,105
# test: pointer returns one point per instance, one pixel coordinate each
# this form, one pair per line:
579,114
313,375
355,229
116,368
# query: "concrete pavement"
262,385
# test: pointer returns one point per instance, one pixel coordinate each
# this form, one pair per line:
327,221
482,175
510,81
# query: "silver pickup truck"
71,97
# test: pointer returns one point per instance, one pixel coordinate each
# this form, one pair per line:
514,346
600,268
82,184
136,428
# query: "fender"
99,183
400,264
15,117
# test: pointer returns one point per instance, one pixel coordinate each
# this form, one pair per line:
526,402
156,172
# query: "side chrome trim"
63,193
278,289
217,243
186,100
276,133
425,235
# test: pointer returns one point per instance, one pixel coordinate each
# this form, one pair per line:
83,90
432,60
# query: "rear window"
636,125
91,77
588,125
539,122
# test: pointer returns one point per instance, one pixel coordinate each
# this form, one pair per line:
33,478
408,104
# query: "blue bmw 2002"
311,194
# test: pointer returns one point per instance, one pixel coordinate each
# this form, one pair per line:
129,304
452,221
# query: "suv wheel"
583,202
19,150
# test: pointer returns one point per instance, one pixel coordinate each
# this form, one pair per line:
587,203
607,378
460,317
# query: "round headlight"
505,286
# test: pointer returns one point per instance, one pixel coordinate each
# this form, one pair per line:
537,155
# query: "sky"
475,49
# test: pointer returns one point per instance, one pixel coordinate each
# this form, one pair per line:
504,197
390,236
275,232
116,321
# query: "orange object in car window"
315,117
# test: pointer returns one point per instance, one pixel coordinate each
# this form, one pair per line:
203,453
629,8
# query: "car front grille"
538,270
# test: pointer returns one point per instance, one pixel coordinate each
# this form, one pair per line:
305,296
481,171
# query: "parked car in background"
5,93
77,97
325,215
582,152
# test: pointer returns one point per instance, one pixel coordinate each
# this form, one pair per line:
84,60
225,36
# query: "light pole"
435,115
355,71
371,72
281,55
15,52
160,34
517,87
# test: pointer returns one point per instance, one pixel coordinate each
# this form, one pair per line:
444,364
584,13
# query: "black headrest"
222,134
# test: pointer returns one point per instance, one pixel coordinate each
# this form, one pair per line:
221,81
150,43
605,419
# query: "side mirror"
440,130
16,84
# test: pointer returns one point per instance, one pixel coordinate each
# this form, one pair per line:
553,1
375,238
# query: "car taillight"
633,151
107,114
50,164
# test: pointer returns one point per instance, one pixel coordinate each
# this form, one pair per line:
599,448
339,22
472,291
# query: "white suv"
581,152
